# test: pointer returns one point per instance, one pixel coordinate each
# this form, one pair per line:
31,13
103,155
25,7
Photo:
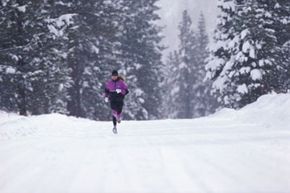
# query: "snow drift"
269,111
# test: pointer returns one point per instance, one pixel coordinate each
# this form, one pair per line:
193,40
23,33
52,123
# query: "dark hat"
115,73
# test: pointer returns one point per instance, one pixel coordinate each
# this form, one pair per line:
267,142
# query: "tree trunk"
22,104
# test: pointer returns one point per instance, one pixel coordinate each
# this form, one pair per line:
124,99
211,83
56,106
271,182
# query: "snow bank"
269,111
6,117
13,126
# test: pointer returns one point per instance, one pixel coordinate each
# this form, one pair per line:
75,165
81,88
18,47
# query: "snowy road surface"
218,154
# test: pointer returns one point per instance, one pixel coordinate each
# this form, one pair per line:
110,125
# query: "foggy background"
171,12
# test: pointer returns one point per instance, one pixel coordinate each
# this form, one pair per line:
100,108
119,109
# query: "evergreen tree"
90,50
50,91
26,45
281,17
56,55
281,25
185,74
141,59
188,94
171,86
221,51
249,68
204,103
284,78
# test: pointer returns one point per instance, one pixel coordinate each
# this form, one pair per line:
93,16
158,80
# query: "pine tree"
217,69
249,68
90,51
50,91
204,103
56,55
186,76
171,86
26,48
188,95
284,77
15,46
141,59
281,25
181,77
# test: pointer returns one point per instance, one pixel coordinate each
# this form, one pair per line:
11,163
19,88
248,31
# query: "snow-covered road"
217,154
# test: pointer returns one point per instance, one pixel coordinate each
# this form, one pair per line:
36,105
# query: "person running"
115,91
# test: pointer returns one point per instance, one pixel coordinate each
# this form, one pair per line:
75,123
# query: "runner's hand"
106,99
118,91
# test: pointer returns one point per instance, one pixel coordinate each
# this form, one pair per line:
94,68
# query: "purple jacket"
111,86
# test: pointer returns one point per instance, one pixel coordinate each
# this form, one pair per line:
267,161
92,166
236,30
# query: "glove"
106,99
118,91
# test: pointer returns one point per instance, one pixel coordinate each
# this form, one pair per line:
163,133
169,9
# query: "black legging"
118,107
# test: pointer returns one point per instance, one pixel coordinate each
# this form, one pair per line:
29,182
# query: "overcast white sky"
171,12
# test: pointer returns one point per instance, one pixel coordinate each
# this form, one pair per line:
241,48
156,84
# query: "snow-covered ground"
246,151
